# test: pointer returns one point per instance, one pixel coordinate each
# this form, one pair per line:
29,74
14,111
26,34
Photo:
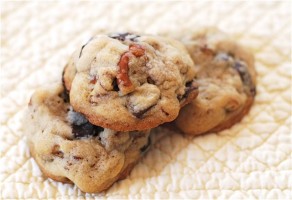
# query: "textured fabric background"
250,160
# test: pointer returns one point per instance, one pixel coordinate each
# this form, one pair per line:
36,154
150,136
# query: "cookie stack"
92,129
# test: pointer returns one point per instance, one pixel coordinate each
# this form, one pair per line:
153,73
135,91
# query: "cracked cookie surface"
68,148
226,77
127,82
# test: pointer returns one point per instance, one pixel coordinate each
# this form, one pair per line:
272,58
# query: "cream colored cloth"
250,160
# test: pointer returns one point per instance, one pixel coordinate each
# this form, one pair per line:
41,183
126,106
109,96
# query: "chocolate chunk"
81,127
191,91
124,36
190,88
241,68
115,85
245,77
150,80
140,113
85,130
146,146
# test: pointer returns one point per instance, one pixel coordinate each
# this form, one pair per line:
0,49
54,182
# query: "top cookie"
226,77
129,82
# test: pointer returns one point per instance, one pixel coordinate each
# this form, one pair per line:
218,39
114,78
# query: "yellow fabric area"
250,160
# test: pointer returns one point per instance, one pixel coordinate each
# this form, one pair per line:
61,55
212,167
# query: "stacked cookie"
92,129
226,79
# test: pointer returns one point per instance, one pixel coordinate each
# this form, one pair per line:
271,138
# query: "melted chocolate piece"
115,85
85,130
140,113
146,146
190,88
241,68
81,127
150,80
124,36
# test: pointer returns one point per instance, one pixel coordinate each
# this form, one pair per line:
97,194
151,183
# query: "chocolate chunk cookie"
130,82
68,148
226,78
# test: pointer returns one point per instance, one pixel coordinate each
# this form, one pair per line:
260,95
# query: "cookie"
129,82
68,148
226,77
